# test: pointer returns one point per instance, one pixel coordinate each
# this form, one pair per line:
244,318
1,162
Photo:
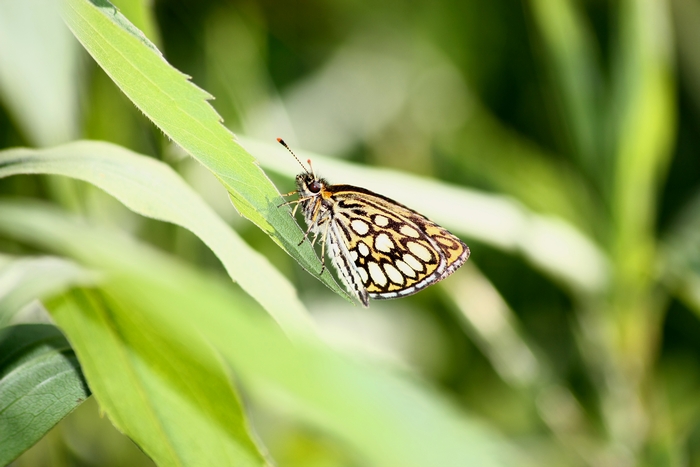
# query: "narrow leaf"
25,279
570,46
35,44
40,383
681,254
180,109
153,189
174,399
644,102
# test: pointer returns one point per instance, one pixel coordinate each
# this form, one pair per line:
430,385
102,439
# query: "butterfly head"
308,184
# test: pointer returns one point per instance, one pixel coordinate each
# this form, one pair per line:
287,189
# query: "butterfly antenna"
281,141
308,161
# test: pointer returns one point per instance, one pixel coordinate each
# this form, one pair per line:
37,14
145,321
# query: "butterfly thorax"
314,195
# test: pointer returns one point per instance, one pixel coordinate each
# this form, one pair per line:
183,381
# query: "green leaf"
681,248
571,49
645,123
40,383
35,44
686,17
25,279
390,420
141,14
180,109
153,189
173,398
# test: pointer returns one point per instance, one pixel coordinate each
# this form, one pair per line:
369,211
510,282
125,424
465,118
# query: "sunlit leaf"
173,398
390,421
34,44
153,189
25,279
180,109
644,123
142,15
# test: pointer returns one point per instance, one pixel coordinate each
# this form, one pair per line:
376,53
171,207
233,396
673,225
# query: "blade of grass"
572,58
142,15
180,109
25,279
680,270
40,383
644,123
173,398
34,44
153,189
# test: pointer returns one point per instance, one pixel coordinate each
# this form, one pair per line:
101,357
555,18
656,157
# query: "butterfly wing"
395,250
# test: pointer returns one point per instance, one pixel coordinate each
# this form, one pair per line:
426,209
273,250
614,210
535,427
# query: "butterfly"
381,248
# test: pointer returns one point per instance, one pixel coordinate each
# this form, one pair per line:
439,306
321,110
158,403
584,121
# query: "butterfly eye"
314,186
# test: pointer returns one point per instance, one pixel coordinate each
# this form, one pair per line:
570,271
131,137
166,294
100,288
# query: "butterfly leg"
313,221
318,224
296,203
323,246
299,200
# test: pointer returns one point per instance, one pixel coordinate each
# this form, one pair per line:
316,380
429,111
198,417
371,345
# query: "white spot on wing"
353,255
394,275
363,274
378,276
360,227
409,231
363,249
420,251
381,221
413,262
405,268
383,243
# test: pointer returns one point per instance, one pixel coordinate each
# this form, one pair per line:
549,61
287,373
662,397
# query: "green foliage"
557,138
40,383
181,110
152,189
155,365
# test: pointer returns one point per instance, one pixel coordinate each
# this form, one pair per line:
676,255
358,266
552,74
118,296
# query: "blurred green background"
561,140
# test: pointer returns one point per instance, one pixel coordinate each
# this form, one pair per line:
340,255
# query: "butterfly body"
381,248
